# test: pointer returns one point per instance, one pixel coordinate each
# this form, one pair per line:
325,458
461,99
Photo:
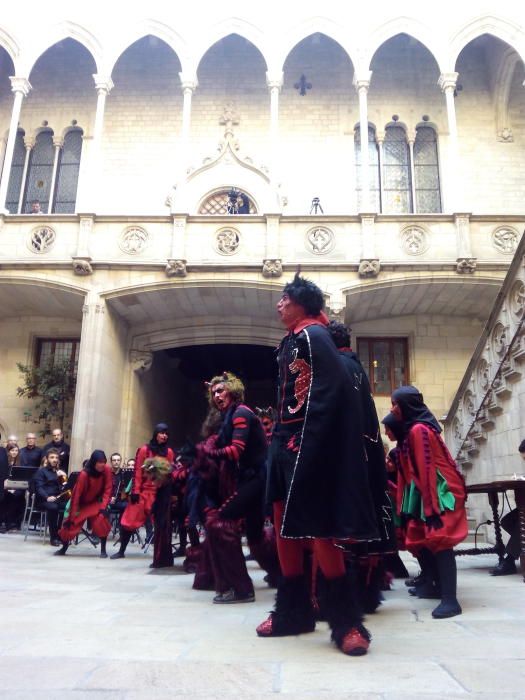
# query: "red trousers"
72,525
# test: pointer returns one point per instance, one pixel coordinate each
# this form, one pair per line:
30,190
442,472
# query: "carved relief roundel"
414,240
41,239
320,240
517,298
505,239
133,240
227,241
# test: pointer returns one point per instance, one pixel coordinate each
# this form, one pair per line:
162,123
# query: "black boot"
62,551
125,536
505,567
429,587
103,554
294,613
344,616
449,606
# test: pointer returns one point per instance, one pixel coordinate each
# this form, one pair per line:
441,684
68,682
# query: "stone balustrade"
367,243
483,427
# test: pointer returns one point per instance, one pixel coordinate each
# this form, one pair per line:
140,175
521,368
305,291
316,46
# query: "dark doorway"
196,364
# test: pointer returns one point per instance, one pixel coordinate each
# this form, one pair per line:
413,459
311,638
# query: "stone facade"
172,115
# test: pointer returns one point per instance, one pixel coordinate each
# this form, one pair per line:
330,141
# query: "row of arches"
274,44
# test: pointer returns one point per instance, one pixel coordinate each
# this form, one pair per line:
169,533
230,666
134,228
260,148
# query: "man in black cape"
318,476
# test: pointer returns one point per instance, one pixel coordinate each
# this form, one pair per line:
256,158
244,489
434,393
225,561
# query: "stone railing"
366,243
486,406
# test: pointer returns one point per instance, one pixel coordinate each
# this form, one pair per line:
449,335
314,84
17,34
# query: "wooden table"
492,489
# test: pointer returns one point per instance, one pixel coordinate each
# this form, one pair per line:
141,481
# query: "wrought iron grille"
40,172
67,175
217,204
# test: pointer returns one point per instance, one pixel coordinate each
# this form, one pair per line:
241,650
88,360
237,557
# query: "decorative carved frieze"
176,268
414,240
41,239
82,266
227,241
369,268
133,240
466,266
272,267
319,240
141,360
505,239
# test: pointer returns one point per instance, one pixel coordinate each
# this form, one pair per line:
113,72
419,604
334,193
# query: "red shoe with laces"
354,643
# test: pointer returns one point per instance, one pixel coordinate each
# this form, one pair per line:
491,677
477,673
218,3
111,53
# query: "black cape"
318,452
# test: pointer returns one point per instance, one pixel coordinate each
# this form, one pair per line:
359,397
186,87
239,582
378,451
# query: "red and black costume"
431,497
318,477
143,503
89,501
240,449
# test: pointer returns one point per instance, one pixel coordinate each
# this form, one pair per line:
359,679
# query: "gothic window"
17,172
397,186
385,361
40,172
373,168
226,202
51,350
67,173
426,171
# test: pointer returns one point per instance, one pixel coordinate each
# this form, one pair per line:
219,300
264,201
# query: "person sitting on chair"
511,524
48,486
89,501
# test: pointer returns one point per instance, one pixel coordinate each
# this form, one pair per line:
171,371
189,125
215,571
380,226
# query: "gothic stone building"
186,163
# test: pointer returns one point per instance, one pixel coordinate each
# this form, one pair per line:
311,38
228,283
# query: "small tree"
52,387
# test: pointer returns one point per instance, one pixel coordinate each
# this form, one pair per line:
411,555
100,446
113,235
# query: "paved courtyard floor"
83,628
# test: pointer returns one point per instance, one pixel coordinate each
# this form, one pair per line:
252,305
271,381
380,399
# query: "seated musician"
511,524
48,484
89,502
13,504
120,481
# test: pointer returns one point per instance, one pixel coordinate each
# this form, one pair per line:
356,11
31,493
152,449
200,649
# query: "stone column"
361,84
103,86
465,263
57,143
20,87
380,138
188,85
274,83
369,264
411,138
447,82
100,379
29,142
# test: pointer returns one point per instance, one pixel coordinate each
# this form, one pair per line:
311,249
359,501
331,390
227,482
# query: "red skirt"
454,531
72,525
136,514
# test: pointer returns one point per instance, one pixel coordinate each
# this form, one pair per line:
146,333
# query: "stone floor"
81,627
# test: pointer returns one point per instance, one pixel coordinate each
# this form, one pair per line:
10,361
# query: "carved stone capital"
361,81
272,267
103,83
188,82
82,266
141,360
20,85
369,267
176,268
448,81
466,266
274,80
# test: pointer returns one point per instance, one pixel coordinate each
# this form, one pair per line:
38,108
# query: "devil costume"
240,449
318,476
89,501
144,492
431,498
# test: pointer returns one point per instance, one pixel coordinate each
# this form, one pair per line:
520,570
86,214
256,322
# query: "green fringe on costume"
412,504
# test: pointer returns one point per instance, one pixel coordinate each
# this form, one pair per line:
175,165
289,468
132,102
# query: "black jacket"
4,470
63,450
318,420
30,458
45,483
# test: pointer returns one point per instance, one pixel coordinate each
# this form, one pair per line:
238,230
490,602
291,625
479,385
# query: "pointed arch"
57,33
412,28
227,27
314,25
142,29
11,47
509,32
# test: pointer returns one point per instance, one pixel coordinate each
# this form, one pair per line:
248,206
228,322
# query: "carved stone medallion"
505,239
414,240
517,298
133,240
41,239
319,240
227,241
